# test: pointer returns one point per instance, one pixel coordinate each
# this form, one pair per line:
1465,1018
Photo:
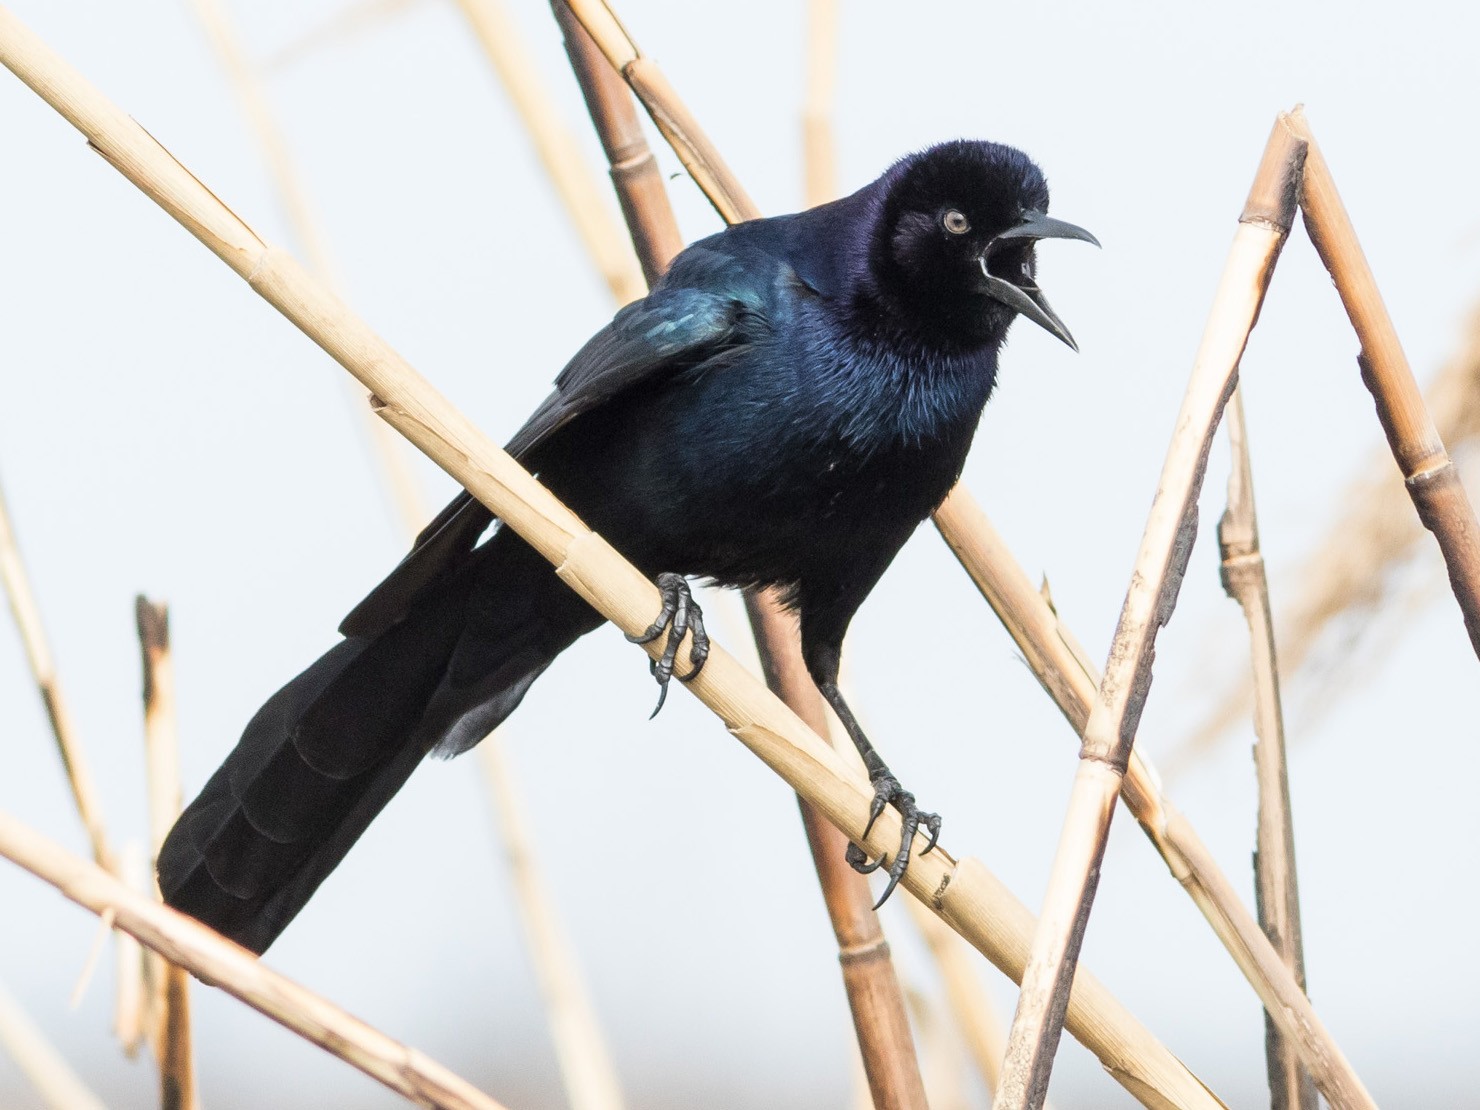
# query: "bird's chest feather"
880,429
828,449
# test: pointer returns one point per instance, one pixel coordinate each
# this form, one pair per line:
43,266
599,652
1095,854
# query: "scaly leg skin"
680,614
887,791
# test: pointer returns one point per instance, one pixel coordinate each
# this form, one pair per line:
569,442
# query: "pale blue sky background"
164,430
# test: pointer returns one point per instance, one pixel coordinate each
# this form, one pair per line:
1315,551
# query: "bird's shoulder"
738,287
744,268
821,252
712,305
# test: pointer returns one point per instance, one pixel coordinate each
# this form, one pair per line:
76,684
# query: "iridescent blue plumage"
792,399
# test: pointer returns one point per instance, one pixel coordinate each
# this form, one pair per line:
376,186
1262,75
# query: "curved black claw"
858,860
680,615
887,791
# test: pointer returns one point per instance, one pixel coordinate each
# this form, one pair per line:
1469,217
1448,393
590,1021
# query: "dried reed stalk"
38,653
586,1069
1377,530
634,170
406,497
963,892
131,1023
976,1021
184,941
128,997
585,1064
1432,481
128,1004
1165,546
556,146
1276,891
38,1060
672,118
819,145
355,18
942,1056
170,1011
1072,681
875,998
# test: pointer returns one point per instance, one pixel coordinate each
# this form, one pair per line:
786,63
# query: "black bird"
783,409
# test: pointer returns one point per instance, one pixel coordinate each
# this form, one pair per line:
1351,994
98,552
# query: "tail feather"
330,749
253,834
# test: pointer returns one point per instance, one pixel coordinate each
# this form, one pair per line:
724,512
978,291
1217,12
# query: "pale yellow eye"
955,222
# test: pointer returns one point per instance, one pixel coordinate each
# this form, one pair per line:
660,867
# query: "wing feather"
663,334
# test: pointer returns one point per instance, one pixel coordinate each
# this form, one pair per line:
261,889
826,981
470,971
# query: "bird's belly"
782,528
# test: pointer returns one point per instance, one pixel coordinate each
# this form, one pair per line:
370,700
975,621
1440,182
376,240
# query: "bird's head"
953,247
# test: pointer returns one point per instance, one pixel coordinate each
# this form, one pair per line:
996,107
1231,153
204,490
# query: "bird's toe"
680,616
888,792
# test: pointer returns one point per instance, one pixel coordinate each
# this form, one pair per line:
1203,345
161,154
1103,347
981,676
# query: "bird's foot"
887,792
680,614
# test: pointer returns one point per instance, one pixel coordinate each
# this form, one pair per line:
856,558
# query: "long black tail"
326,753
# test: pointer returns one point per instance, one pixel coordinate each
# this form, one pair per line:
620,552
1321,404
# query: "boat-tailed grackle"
783,409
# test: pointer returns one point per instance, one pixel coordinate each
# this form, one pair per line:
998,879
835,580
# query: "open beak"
1028,300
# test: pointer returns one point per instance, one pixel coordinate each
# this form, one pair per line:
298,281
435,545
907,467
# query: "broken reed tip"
1275,194
153,619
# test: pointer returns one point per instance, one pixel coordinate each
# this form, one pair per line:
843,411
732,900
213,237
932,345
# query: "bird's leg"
887,791
680,614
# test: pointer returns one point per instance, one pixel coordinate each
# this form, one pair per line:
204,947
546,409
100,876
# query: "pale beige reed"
189,944
1110,730
168,1008
1349,573
27,615
389,452
586,1066
1276,891
1429,474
